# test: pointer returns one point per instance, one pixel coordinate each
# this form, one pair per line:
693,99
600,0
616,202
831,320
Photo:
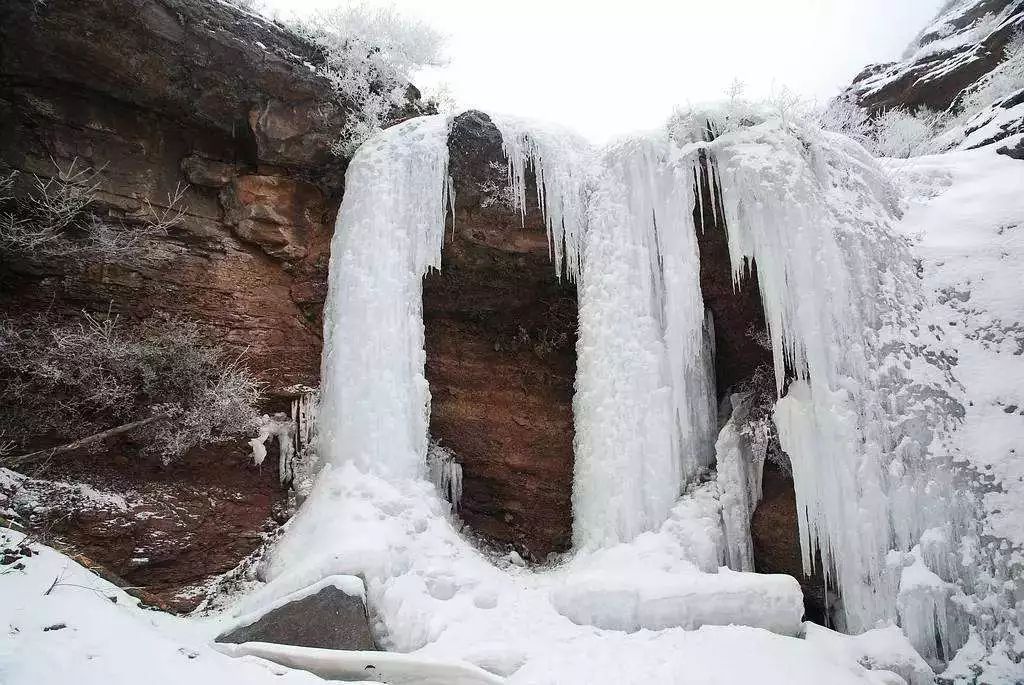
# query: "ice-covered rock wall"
867,399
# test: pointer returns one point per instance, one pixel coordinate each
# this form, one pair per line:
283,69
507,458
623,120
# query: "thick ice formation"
375,402
868,405
645,400
864,415
739,470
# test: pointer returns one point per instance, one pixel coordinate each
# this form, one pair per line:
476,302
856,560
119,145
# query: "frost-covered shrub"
901,133
897,132
842,116
62,380
54,218
707,121
370,57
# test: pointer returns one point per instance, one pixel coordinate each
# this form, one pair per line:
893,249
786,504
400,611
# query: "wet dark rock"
330,619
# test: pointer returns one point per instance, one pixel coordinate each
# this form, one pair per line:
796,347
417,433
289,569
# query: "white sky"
605,68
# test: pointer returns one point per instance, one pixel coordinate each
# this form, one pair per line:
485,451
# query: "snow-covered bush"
707,121
370,56
842,116
901,133
897,132
54,218
63,380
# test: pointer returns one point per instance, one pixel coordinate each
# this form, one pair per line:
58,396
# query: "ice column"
375,401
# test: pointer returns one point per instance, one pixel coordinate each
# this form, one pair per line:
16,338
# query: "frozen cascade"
645,399
375,402
739,469
864,418
866,405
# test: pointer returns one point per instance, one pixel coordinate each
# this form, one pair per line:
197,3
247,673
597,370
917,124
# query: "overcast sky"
605,68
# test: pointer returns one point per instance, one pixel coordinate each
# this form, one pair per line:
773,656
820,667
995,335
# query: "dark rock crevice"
743,363
500,344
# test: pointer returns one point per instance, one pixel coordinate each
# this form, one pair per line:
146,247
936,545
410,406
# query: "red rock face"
500,344
186,97
157,93
176,527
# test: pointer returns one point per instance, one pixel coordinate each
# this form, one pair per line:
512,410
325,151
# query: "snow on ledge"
385,667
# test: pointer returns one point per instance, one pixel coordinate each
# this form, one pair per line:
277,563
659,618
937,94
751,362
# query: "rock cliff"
155,94
501,353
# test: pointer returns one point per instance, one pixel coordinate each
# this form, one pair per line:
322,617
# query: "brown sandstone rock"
500,343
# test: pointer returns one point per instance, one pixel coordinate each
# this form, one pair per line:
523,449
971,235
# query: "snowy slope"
965,218
59,619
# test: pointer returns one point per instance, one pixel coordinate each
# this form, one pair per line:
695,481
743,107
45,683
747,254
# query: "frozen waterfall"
866,393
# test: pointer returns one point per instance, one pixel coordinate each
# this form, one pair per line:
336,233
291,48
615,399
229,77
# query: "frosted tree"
370,56
55,217
90,379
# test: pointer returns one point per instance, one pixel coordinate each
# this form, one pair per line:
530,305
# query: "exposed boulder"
332,618
501,360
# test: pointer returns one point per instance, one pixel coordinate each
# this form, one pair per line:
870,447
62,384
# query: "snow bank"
378,667
881,649
62,622
655,601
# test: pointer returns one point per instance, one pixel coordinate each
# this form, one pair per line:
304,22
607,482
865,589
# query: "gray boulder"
330,619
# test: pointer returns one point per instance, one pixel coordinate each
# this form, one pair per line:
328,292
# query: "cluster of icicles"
862,414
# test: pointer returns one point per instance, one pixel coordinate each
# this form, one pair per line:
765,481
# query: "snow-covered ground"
60,619
965,219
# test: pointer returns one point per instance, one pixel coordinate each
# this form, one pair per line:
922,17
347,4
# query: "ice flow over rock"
867,397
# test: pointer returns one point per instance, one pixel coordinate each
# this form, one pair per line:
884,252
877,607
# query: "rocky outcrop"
157,93
964,43
332,618
164,530
501,361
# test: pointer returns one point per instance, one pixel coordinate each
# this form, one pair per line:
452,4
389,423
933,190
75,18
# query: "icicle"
561,162
445,473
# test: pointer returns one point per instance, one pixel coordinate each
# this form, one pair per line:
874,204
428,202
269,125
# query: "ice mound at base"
436,596
655,601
